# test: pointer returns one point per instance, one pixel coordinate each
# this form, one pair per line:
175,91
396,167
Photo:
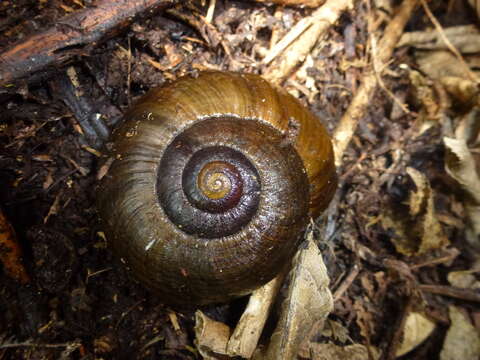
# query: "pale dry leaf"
421,231
335,330
464,279
432,236
460,165
462,340
464,91
441,63
416,330
466,38
308,303
468,128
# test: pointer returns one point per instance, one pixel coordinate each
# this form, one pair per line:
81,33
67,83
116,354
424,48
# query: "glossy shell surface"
211,183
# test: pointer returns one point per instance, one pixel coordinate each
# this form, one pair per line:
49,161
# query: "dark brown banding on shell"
208,197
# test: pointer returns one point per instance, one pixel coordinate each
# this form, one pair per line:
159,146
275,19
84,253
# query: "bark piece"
76,34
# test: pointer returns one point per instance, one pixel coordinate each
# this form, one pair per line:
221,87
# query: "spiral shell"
211,185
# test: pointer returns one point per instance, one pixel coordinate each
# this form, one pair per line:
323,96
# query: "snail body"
211,184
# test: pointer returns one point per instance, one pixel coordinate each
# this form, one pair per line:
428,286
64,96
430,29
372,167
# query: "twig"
30,344
450,291
295,53
343,287
210,11
358,107
76,34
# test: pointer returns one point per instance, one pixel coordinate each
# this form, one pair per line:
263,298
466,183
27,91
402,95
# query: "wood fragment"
76,34
244,339
358,107
450,291
312,29
11,252
345,284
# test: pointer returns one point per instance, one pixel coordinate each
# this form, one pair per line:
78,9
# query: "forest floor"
400,240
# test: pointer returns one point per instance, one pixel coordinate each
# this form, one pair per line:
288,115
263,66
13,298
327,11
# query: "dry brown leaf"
441,63
364,319
462,340
464,91
10,252
417,329
421,231
466,38
460,165
425,94
335,330
308,303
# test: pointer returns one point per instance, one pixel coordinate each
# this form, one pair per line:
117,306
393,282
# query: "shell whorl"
211,185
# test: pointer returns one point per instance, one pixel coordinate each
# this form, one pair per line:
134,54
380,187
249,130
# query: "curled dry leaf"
462,340
417,329
460,164
308,303
419,231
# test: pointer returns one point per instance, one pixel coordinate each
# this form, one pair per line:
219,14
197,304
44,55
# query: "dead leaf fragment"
308,303
462,340
463,279
417,329
460,165
10,252
420,231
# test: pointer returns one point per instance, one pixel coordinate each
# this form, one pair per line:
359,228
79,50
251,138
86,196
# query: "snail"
211,183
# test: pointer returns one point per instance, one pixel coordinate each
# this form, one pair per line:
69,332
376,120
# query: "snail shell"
211,185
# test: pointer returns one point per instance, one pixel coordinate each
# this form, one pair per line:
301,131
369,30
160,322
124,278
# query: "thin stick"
450,291
346,282
359,104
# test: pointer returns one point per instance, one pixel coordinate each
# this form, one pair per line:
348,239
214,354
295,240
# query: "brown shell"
199,254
